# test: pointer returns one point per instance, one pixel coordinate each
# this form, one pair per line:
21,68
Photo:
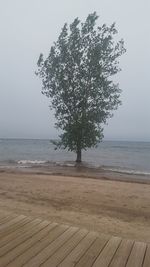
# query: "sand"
103,203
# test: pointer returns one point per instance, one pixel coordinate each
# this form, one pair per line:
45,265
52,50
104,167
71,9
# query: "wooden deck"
33,242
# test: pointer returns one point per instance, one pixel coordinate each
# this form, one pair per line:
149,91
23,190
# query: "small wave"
126,171
31,162
68,164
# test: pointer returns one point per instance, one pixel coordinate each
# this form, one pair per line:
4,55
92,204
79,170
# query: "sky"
29,27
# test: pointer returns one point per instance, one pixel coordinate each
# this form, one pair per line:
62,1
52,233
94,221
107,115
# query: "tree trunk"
78,160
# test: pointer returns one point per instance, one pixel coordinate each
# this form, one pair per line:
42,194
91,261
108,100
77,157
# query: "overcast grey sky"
28,27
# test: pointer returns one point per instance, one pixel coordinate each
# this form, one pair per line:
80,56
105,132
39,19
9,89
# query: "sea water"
122,156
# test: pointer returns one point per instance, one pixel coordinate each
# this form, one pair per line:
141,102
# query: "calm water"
123,156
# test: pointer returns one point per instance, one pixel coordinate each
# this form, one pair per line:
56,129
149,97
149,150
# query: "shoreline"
80,171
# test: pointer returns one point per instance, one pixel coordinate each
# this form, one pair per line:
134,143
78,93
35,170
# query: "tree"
77,77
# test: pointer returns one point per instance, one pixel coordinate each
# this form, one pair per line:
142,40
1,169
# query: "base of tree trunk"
78,160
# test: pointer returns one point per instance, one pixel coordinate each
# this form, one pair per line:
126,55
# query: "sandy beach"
104,202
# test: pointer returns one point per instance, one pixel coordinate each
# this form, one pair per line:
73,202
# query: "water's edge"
114,156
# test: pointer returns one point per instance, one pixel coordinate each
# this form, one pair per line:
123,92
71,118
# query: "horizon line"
105,139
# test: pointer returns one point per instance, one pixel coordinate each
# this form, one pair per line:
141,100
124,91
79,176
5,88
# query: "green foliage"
77,77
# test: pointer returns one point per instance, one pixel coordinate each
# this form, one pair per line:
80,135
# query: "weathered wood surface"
32,242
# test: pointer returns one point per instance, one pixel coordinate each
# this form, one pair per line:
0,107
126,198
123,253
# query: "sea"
117,156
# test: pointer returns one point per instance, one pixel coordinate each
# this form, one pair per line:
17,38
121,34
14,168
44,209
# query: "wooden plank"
4,214
147,257
51,249
92,253
65,249
11,220
107,253
3,227
21,232
20,239
5,236
6,218
137,255
122,254
14,257
78,252
13,234
13,228
37,247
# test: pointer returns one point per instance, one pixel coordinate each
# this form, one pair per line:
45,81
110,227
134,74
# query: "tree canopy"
77,76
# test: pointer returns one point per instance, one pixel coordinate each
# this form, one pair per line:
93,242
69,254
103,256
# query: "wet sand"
111,203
